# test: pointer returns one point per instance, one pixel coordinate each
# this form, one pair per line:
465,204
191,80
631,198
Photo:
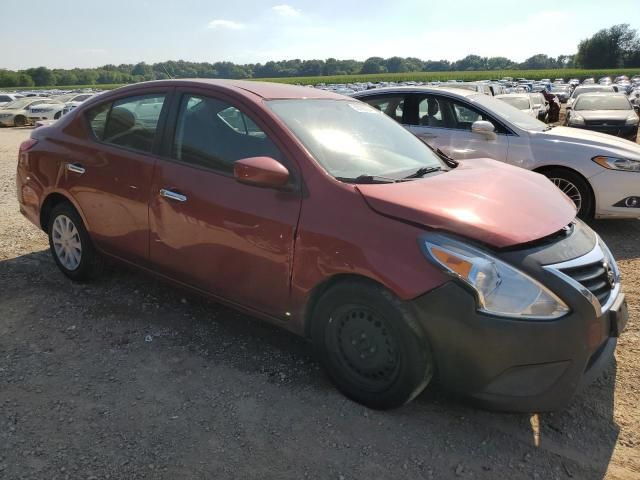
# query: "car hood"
482,199
601,143
605,114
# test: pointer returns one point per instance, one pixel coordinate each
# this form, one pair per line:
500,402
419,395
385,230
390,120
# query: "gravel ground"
130,378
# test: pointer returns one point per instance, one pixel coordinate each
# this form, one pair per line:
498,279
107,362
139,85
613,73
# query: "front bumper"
520,365
629,132
612,186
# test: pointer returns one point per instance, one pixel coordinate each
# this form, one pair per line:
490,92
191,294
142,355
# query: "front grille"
594,277
604,122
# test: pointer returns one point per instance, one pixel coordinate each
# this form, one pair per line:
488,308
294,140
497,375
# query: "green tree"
612,47
42,76
374,65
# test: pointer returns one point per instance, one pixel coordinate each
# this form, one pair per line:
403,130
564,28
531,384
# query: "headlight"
614,163
576,119
632,119
500,289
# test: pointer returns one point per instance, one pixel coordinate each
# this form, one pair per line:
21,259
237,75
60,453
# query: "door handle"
178,197
75,168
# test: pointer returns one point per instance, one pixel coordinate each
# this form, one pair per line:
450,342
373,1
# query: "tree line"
614,47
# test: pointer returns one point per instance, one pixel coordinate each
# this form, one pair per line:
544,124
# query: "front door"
445,123
209,231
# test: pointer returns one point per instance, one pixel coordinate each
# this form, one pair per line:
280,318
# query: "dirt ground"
128,378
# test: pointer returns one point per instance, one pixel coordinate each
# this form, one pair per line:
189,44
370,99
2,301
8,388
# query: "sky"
91,33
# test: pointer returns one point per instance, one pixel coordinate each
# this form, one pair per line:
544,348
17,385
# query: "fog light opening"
632,202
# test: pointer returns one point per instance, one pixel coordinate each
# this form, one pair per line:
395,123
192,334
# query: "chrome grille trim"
595,256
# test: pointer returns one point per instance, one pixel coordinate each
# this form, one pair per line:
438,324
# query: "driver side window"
213,134
462,116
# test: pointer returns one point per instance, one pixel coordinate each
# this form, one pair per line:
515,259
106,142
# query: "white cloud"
286,10
228,24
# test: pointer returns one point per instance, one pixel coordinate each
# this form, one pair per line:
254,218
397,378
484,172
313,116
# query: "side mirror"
484,128
261,172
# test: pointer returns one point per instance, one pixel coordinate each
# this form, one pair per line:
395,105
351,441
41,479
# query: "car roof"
511,95
247,88
460,92
603,94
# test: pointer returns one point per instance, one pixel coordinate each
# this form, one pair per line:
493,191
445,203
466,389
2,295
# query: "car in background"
600,173
634,97
521,101
574,82
588,89
472,86
610,113
54,110
563,92
336,224
605,81
540,105
15,114
589,81
6,98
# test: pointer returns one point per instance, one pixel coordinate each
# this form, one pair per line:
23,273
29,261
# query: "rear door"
445,123
110,174
209,231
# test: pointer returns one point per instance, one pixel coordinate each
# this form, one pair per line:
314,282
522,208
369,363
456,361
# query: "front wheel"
371,345
576,188
19,121
70,244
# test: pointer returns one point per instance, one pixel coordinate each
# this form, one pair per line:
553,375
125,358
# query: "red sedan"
320,214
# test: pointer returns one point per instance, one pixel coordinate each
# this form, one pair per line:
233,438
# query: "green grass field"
418,77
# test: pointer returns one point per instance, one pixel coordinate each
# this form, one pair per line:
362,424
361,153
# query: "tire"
19,121
576,188
71,246
371,345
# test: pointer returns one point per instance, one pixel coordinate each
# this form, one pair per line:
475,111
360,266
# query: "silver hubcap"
66,242
569,189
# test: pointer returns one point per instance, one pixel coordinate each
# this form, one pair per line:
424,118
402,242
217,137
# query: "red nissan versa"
322,215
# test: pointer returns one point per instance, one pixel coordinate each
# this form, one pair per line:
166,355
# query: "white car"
521,101
54,110
540,105
599,172
15,114
6,98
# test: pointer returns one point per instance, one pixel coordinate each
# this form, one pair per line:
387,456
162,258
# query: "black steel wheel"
371,345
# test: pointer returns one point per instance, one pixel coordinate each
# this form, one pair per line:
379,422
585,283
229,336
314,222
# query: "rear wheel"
20,121
371,346
70,245
575,187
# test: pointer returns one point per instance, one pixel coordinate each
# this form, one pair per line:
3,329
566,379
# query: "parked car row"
20,109
399,252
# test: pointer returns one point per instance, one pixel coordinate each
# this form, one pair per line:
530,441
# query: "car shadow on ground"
619,236
126,311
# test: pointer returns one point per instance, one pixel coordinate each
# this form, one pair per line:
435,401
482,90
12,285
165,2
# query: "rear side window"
129,122
4,98
213,134
98,119
392,106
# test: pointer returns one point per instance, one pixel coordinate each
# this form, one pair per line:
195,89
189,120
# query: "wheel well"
547,168
47,206
321,288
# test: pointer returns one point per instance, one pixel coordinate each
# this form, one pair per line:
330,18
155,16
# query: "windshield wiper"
421,172
451,163
365,178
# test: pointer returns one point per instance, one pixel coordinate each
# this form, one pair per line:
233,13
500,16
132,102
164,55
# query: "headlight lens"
615,163
500,289
576,119
632,119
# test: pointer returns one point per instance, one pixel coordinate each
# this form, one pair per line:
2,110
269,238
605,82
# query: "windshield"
580,90
508,114
520,103
350,139
602,102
